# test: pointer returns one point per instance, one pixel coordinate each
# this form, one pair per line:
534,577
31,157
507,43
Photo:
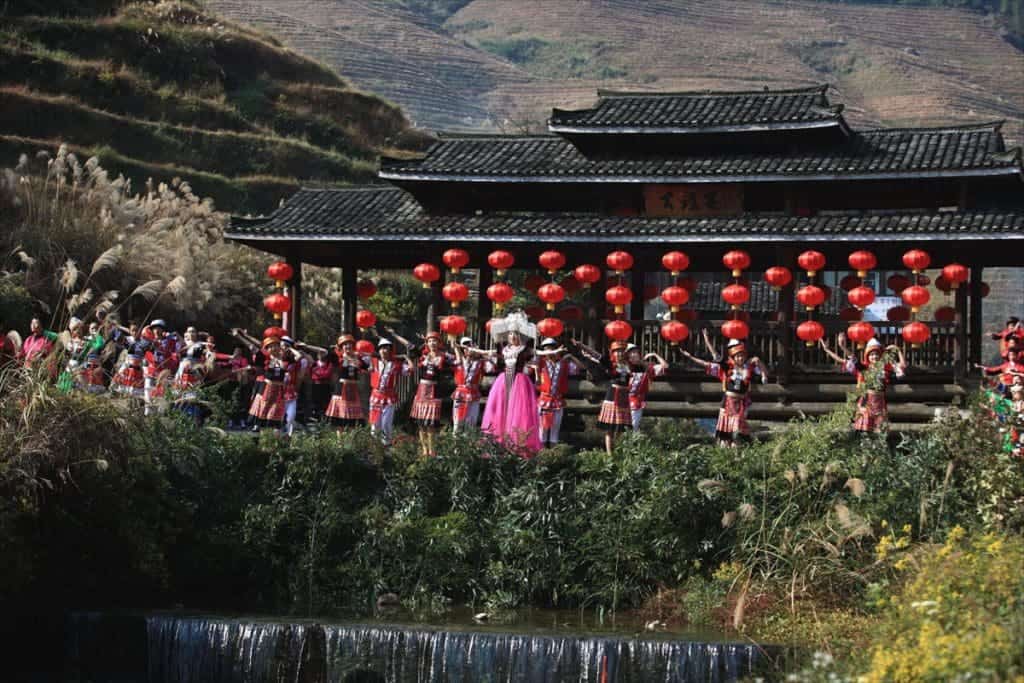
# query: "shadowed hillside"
504,63
165,89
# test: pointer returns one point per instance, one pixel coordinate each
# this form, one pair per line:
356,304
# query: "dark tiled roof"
388,213
700,111
962,150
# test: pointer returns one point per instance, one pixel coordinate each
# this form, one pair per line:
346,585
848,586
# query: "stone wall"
1006,299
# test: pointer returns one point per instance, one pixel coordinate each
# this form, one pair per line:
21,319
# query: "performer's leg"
473,415
290,408
387,426
609,441
556,425
148,396
635,416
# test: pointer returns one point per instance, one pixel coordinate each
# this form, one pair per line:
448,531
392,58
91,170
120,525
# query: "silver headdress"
517,321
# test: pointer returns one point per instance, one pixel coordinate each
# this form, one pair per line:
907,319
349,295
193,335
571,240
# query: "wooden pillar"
595,313
293,321
637,280
437,304
349,297
961,362
975,325
484,306
785,257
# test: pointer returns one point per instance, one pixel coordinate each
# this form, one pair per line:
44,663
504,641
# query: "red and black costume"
553,385
736,382
469,373
426,406
345,408
615,415
279,387
874,379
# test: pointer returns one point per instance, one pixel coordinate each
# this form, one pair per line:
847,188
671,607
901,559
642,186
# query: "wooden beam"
349,297
637,280
961,364
975,327
294,322
484,306
786,256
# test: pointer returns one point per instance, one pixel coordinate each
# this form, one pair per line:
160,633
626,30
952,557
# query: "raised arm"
402,340
309,347
708,345
662,363
699,361
830,353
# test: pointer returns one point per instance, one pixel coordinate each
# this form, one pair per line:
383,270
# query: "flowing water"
180,648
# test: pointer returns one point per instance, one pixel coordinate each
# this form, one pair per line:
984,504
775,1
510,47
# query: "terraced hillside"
165,89
504,63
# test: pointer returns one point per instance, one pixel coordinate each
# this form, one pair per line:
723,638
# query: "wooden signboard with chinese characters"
693,200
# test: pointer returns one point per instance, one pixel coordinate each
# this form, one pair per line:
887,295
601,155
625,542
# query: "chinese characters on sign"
693,200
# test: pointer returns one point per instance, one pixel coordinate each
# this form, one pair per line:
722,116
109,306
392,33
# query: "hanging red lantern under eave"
983,289
365,289
274,331
917,260
550,327
943,285
500,293
735,295
811,261
277,304
551,294
455,293
810,331
551,261
365,319
619,261
778,277
364,346
588,274
619,296
736,261
916,333
427,273
455,259
810,297
945,314
675,297
618,330
675,261
500,261
674,331
280,272
862,261
956,274
860,333
850,282
453,325
897,283
915,297
735,329
862,296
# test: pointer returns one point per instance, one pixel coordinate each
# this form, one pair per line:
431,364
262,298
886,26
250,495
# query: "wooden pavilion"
769,172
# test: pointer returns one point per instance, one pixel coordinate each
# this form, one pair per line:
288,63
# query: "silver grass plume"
148,290
108,259
69,275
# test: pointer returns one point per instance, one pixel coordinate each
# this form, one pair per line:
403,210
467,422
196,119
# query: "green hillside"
164,89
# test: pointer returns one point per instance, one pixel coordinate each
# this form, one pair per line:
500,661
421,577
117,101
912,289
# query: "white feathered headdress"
517,321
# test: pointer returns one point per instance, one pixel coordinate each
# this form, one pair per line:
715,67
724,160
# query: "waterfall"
185,649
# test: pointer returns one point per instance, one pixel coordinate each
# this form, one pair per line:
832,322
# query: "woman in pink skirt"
511,414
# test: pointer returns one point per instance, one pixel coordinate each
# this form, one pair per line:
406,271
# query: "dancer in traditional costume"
345,409
874,374
38,345
321,377
1000,376
641,374
736,375
511,415
269,407
253,386
470,366
130,380
426,406
553,367
1012,333
92,377
160,362
386,368
195,364
615,416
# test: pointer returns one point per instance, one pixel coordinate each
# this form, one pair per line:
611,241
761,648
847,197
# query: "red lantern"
850,314
778,277
862,296
983,289
500,293
810,331
426,273
897,283
674,331
365,319
675,261
455,259
916,260
916,333
811,296
275,331
898,314
945,314
735,329
587,274
943,285
365,289
571,313
570,284
618,330
849,282
955,273
500,261
618,296
453,325
862,261
534,312
687,283
551,261
811,261
650,292
534,282
736,295
550,327
277,304
860,333
364,346
619,261
915,297
551,294
675,297
455,293
280,272
736,261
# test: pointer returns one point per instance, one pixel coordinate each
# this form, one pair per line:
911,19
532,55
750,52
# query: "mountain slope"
163,89
505,63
